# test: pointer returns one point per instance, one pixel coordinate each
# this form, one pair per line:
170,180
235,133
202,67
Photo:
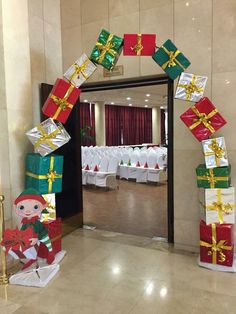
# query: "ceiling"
137,95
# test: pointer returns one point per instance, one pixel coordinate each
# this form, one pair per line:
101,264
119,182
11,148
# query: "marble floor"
100,277
134,208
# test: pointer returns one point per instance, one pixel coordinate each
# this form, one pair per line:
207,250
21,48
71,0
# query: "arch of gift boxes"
202,119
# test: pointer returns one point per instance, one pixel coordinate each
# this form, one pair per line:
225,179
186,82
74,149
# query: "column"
100,123
156,125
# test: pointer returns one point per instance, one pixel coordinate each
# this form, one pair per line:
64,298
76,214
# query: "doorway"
70,201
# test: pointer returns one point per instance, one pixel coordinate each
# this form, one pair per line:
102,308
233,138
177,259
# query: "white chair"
87,162
123,169
141,171
91,174
108,178
132,170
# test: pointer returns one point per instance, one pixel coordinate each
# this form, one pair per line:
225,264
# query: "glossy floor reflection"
99,277
135,208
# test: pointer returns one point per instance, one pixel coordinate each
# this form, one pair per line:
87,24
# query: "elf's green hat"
30,194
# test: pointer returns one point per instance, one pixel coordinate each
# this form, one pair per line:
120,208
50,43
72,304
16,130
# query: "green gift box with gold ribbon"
107,49
44,173
218,177
171,60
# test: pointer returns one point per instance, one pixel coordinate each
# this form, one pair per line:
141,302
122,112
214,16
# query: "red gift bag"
139,44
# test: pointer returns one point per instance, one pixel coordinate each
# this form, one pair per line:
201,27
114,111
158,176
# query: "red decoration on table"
146,165
157,166
87,167
17,240
203,119
217,243
54,233
139,44
138,164
61,100
95,168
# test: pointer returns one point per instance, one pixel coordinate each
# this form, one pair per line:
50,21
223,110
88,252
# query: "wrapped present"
48,136
44,173
203,119
171,60
213,178
216,244
49,213
190,87
215,152
54,232
217,205
80,71
139,44
61,100
17,243
107,50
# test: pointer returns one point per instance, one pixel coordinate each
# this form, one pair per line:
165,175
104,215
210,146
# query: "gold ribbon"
48,204
203,118
215,247
172,59
103,49
191,87
138,47
79,69
220,207
212,180
62,103
218,151
50,176
46,138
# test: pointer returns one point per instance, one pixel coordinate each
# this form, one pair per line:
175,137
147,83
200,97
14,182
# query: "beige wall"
30,38
156,125
205,31
100,123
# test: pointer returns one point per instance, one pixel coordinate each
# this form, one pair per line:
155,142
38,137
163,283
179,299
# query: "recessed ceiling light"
148,95
146,106
112,103
187,4
146,100
86,100
161,107
130,105
128,98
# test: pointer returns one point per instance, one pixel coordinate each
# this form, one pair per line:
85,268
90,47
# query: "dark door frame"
136,82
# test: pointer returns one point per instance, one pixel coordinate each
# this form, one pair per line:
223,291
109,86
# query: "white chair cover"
101,177
91,174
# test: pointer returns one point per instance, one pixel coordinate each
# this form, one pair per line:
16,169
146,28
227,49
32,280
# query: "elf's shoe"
50,257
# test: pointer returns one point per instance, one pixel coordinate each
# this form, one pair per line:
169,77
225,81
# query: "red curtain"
163,131
87,124
128,125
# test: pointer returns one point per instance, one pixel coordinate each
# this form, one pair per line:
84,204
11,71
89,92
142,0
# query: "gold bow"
172,59
203,118
62,103
220,207
46,138
80,69
191,87
217,151
50,176
215,247
103,49
138,47
209,176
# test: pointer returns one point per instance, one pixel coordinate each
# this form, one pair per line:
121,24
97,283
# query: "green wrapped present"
171,60
107,49
44,173
218,177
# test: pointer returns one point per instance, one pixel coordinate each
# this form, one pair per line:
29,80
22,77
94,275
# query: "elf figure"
29,205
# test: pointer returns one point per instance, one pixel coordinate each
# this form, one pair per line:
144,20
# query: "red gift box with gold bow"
61,100
217,243
203,119
139,44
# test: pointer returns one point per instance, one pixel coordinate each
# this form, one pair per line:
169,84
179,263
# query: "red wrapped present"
217,243
61,100
139,44
54,233
203,119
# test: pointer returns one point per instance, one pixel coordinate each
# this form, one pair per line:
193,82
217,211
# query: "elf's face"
29,208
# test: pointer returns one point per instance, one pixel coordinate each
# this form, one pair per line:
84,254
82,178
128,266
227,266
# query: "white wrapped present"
214,150
190,87
49,214
48,136
80,71
217,205
30,253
